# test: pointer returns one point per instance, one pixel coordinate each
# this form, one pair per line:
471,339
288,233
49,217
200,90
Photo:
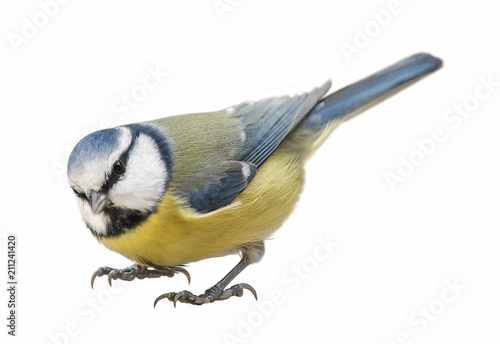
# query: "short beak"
98,201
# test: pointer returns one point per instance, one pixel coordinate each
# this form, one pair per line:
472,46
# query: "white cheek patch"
144,180
97,222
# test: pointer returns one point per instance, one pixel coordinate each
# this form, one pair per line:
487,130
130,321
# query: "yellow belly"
175,235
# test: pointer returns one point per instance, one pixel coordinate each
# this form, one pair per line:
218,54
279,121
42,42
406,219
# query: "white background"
396,247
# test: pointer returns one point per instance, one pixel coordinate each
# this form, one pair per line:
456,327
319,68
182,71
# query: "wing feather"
264,125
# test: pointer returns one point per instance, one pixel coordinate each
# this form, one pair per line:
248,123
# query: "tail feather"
357,97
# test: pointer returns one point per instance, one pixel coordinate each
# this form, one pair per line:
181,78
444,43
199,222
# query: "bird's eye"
118,167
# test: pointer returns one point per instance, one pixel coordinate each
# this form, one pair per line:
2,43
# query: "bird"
176,190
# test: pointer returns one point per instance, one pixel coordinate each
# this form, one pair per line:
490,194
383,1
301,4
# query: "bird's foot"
213,294
138,271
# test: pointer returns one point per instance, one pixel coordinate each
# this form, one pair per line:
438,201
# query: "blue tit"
179,189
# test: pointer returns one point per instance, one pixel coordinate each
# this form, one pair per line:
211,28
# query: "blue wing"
222,189
268,122
264,125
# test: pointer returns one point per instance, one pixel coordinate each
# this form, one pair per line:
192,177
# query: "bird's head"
118,176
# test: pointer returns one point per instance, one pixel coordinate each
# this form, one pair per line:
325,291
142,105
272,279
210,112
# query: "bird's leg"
250,254
138,271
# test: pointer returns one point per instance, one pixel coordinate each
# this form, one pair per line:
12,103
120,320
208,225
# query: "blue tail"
369,91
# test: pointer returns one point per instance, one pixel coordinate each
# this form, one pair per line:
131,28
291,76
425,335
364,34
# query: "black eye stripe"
112,177
80,194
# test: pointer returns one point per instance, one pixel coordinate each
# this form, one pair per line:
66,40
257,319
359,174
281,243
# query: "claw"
161,297
99,272
185,273
94,275
110,277
176,298
249,287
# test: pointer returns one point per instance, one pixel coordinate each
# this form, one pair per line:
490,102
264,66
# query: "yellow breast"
175,235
